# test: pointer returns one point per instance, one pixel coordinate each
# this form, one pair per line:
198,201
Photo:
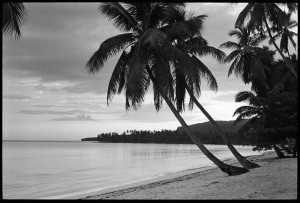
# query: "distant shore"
275,179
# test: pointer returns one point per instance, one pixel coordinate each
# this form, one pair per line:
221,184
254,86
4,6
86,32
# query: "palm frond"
290,36
292,7
162,73
239,33
206,50
13,17
121,17
256,40
244,96
154,16
275,14
197,40
230,45
174,14
257,12
233,55
293,24
243,15
184,29
284,42
137,78
118,77
153,38
252,119
248,111
157,98
107,49
233,65
204,70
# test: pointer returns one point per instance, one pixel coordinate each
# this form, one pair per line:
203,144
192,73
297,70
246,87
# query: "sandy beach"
275,179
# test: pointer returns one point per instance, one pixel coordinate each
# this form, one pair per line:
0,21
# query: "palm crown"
244,52
285,33
161,46
154,42
261,14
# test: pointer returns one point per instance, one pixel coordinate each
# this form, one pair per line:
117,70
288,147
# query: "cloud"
53,112
17,97
46,112
80,117
56,50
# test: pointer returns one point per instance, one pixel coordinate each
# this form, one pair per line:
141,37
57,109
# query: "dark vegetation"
204,131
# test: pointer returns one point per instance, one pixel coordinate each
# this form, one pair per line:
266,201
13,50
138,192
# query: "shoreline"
163,187
275,179
140,183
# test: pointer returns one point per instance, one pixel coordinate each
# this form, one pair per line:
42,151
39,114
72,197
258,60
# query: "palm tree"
244,52
272,118
12,18
271,109
147,53
285,33
260,14
197,46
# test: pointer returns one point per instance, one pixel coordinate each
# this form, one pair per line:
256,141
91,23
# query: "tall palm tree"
13,17
260,14
244,52
197,46
285,33
147,53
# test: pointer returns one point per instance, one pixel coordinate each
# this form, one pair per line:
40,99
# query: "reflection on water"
49,169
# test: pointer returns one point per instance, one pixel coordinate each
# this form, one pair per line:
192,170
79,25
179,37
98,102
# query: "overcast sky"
49,95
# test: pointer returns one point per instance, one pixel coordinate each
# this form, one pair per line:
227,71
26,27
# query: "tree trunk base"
249,165
278,152
233,170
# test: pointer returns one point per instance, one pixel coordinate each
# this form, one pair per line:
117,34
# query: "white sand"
275,179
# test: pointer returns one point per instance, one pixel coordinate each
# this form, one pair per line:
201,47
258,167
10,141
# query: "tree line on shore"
168,137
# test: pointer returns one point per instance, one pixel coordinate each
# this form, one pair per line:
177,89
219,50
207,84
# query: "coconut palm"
12,18
260,14
272,118
271,110
146,57
197,46
244,51
285,33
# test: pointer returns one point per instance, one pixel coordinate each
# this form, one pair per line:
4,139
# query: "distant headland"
205,131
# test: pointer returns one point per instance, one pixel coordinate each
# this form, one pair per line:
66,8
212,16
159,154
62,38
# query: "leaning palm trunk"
287,150
278,152
279,51
243,161
230,170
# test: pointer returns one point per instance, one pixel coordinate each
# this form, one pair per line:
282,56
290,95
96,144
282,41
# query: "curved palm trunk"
230,170
288,53
278,152
243,161
277,48
287,150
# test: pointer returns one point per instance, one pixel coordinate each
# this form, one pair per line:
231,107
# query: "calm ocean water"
32,170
